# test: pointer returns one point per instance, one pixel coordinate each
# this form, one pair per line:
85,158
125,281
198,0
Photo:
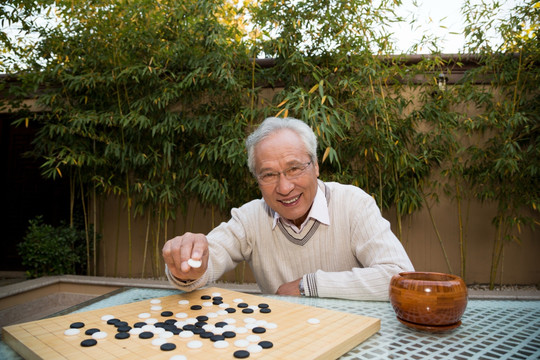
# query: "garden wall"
520,263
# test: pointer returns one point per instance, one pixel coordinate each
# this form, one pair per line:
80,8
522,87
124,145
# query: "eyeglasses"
291,173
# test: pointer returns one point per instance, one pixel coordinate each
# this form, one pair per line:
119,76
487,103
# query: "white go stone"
148,328
107,317
208,327
155,301
159,331
212,315
99,335
313,321
151,321
195,344
166,335
241,330
70,332
186,334
136,331
271,326
159,341
178,357
144,315
194,263
250,320
181,315
156,308
254,348
207,304
183,302
238,300
242,343
253,338
214,294
221,344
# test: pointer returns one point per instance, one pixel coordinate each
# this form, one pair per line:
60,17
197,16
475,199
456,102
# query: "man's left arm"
378,250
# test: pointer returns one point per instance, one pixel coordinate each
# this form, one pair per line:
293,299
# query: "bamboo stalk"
437,234
85,218
115,272
462,244
146,239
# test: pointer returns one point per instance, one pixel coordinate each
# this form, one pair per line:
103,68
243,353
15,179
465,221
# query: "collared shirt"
318,212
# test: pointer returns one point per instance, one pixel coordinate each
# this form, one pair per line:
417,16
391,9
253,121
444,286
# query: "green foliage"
48,250
151,101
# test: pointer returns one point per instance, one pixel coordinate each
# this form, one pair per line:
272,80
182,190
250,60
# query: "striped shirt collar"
318,212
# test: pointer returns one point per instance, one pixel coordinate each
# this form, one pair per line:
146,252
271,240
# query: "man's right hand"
177,252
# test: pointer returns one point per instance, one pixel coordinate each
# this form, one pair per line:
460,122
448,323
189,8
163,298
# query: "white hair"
271,125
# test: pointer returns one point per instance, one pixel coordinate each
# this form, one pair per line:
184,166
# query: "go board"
245,325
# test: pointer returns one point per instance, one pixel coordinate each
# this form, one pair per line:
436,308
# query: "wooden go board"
291,329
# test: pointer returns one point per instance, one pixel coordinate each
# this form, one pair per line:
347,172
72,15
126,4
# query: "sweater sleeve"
379,253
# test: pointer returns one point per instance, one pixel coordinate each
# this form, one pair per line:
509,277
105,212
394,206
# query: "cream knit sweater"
352,258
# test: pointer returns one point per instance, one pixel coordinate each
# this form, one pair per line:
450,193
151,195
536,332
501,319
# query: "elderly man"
304,237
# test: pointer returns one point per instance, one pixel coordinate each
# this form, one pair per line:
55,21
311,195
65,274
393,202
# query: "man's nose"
284,185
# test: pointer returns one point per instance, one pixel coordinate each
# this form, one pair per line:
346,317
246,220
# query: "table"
491,329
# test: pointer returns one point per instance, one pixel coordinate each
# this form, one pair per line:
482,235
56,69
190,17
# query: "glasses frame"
302,167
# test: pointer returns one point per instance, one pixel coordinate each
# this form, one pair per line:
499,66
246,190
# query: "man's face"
291,199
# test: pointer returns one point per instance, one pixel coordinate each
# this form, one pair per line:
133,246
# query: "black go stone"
263,305
259,330
241,354
221,324
229,334
217,338
112,321
170,321
123,329
202,318
266,344
206,334
166,313
77,325
200,324
230,310
146,335
167,347
265,310
217,302
247,311
88,342
189,327
121,323
121,335
242,305
218,298
206,297
139,324
159,324
196,307
91,331
198,331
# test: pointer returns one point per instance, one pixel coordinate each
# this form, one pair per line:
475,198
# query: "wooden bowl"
427,300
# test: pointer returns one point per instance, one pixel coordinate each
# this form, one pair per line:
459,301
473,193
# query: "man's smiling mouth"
288,202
